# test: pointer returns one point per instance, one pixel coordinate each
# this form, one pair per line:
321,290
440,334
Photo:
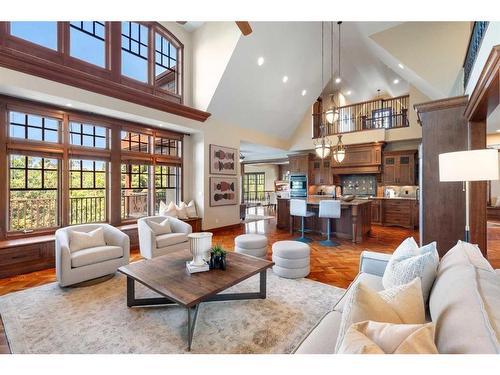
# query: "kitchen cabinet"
321,172
360,159
399,168
395,212
299,163
377,211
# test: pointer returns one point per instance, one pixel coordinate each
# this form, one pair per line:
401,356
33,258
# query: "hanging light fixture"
339,151
323,145
332,115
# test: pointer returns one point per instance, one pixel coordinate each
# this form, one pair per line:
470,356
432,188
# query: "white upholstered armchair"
89,263
153,245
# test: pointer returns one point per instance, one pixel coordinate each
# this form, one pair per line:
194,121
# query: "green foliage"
217,250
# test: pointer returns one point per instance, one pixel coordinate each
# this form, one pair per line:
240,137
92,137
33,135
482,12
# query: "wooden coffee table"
167,275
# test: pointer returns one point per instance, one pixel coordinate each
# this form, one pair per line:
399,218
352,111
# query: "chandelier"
339,151
323,145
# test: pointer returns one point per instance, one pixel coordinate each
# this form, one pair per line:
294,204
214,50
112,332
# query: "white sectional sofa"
464,305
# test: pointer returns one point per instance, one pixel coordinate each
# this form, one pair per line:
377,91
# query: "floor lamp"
467,166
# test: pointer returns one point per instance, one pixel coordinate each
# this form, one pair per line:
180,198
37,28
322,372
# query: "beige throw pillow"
86,240
182,211
169,210
402,304
160,228
191,209
370,337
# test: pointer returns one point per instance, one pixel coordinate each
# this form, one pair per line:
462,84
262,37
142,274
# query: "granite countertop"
395,198
316,200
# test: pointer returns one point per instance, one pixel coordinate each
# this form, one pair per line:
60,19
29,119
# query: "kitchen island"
354,223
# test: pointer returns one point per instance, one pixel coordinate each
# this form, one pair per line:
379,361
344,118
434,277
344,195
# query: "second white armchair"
153,245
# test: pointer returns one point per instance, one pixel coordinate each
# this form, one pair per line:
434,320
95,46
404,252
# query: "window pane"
167,186
41,33
87,42
165,64
134,200
33,127
135,142
33,192
88,135
135,51
87,191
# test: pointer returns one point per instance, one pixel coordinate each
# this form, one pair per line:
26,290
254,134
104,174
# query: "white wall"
271,172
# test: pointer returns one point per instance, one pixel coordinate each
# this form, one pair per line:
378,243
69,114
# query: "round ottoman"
251,244
291,259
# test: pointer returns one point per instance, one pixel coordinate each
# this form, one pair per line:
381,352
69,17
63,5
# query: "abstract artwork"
223,191
223,160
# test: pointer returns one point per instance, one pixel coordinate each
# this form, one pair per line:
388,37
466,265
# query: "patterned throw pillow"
409,262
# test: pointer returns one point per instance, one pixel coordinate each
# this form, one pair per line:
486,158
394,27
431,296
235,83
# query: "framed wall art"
223,160
223,191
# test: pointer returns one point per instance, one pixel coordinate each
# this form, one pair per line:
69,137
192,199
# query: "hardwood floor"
336,266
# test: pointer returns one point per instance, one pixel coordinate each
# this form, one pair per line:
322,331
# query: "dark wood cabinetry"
399,168
377,211
360,158
320,172
299,163
395,212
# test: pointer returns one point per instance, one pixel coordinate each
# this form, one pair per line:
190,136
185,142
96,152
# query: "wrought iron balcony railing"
476,37
374,114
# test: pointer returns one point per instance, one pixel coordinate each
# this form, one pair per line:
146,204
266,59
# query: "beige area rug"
95,319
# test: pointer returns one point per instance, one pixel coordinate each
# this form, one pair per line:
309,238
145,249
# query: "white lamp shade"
473,165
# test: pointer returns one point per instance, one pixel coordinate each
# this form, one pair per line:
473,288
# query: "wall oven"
298,186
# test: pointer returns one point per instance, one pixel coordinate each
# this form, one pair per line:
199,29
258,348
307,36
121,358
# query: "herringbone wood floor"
336,266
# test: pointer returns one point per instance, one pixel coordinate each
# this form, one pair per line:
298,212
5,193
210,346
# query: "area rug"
250,218
95,319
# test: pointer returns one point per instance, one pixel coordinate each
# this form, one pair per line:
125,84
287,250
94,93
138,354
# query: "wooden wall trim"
485,96
437,105
3,166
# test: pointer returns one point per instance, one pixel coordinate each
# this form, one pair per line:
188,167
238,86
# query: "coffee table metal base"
192,311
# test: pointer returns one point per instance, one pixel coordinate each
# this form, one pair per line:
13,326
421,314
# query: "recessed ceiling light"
285,79
304,92
401,66
396,81
260,61
498,131
338,80
348,92
69,105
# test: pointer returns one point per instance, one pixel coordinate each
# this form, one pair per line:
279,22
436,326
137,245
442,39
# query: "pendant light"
339,151
332,115
323,146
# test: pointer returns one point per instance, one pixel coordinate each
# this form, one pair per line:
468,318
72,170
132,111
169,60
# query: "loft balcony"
374,114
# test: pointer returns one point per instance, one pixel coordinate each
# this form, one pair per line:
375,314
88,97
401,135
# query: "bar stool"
298,207
329,209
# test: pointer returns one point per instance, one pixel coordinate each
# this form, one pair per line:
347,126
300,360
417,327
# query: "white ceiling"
254,97
253,151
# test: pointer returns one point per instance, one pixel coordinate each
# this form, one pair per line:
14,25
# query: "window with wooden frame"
87,42
88,135
111,58
87,191
135,191
33,127
167,185
33,193
167,146
136,142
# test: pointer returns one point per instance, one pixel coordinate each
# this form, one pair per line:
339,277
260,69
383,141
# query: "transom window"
87,191
135,189
88,135
33,192
137,142
88,41
167,185
135,41
33,127
166,146
41,33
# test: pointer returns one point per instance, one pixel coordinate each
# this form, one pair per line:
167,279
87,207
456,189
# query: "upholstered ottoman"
291,259
251,244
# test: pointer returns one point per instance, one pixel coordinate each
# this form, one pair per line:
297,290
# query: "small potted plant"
217,258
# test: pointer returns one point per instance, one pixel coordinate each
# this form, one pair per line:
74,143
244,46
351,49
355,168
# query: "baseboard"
226,227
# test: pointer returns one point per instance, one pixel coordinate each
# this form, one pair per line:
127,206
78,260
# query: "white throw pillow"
401,305
160,228
182,211
408,262
387,338
191,209
86,240
169,210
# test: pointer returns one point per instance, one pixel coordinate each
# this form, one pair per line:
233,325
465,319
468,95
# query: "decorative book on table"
193,269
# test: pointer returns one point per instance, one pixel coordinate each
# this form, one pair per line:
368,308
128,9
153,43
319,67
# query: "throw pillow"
191,209
467,253
160,228
169,210
408,262
182,211
403,304
386,338
86,240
